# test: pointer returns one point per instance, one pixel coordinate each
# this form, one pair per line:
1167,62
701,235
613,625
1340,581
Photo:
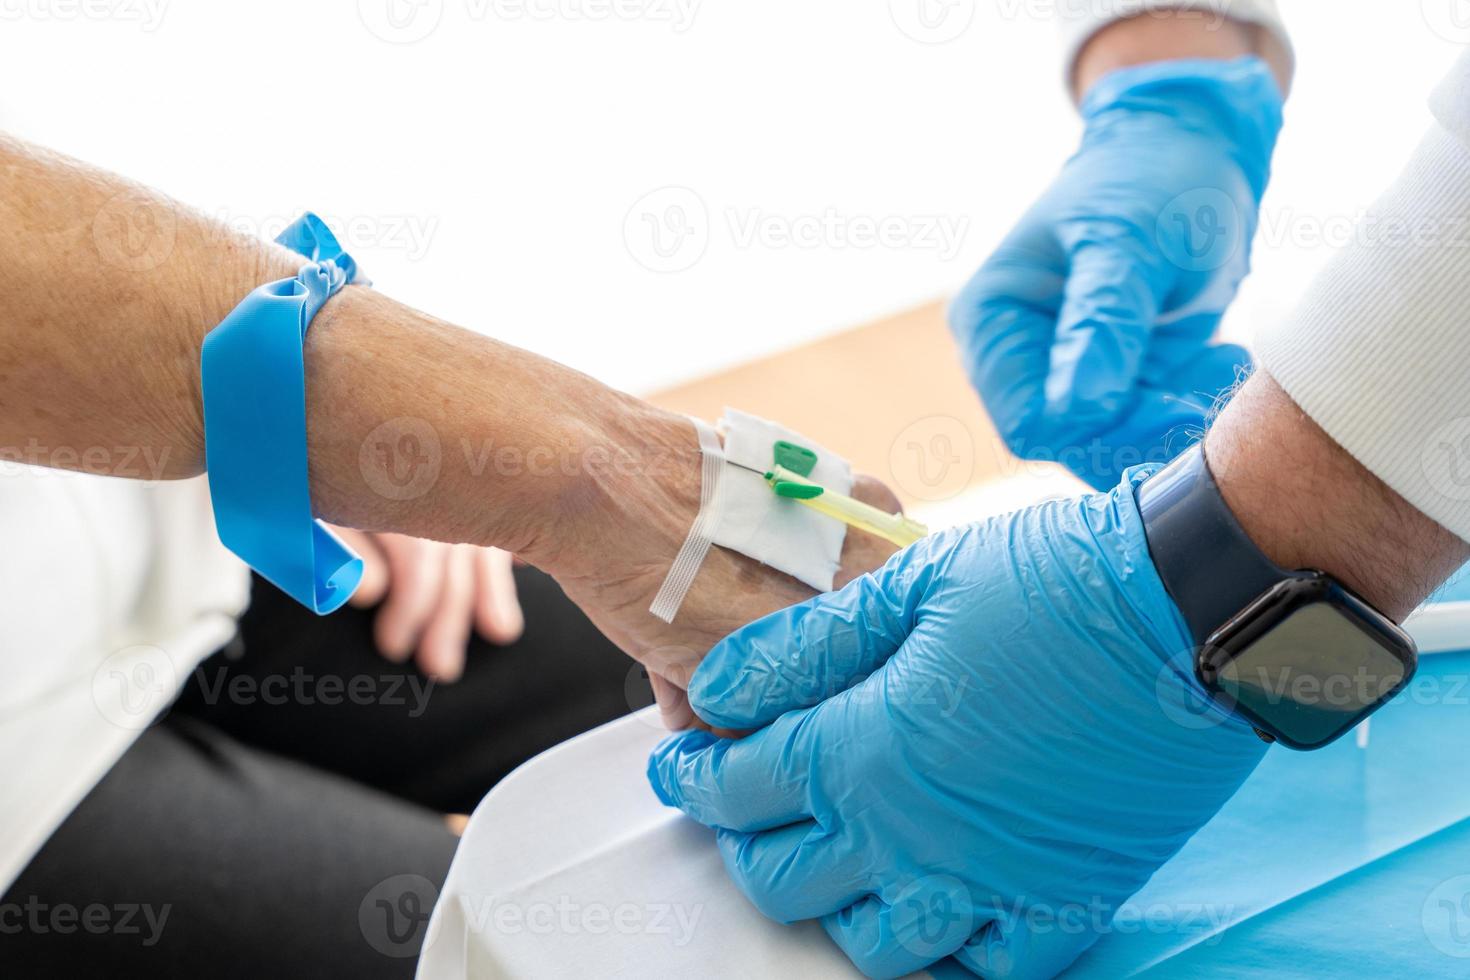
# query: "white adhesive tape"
782,533
737,510
701,535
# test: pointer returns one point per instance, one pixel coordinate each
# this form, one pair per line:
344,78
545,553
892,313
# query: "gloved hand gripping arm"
988,745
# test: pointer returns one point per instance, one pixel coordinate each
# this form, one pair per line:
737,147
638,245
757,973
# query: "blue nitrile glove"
1011,742
1087,332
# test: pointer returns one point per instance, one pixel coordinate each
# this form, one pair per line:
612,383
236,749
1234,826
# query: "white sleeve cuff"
1079,20
1378,349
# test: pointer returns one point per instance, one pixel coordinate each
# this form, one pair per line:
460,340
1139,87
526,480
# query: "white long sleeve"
1080,19
1378,352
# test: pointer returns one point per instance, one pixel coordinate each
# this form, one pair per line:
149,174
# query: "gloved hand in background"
981,749
1088,332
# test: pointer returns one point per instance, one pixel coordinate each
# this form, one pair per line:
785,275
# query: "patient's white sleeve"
1378,352
1078,20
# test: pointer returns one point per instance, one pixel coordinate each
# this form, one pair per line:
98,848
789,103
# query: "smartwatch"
1296,654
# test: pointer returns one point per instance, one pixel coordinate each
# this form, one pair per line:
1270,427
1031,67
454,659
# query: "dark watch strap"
1209,565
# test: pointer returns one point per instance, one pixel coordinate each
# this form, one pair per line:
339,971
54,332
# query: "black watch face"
1307,665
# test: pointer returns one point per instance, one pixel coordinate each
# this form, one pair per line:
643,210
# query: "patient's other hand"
431,595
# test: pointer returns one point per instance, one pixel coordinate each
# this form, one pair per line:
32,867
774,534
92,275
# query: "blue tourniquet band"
254,385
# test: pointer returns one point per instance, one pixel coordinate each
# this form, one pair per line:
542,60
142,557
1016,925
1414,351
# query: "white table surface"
571,867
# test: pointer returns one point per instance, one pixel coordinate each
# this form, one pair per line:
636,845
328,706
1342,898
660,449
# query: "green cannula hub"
798,459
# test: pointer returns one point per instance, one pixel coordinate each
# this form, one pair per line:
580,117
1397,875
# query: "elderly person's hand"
431,595
616,528
861,553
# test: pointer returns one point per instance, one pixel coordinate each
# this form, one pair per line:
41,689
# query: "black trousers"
284,818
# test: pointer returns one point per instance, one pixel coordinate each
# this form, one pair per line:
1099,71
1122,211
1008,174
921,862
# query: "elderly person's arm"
109,289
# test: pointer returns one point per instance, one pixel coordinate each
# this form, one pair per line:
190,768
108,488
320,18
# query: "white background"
488,159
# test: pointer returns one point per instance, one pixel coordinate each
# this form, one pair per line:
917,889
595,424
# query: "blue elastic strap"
254,384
